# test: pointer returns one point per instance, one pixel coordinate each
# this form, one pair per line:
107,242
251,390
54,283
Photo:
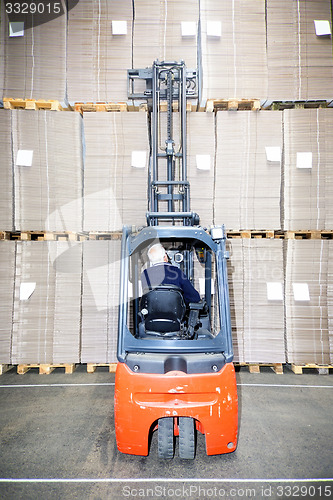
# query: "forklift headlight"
216,232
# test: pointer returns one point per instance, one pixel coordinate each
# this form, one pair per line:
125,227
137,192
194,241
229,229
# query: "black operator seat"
162,310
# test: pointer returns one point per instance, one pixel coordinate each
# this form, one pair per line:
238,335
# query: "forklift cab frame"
191,237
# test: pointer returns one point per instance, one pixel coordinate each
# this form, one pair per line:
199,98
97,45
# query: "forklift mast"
169,84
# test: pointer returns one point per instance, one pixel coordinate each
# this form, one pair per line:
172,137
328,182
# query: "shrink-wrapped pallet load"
233,45
257,300
99,50
100,300
116,170
47,303
166,31
47,156
33,58
248,169
306,282
7,283
6,172
307,177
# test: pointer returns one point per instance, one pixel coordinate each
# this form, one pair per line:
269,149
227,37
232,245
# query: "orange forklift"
175,373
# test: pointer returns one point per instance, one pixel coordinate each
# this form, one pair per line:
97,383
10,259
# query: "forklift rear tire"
187,438
165,437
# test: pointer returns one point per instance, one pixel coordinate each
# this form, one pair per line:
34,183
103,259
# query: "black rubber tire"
166,439
187,438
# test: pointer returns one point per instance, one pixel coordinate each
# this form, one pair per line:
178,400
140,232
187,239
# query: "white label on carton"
189,28
203,162
16,28
301,292
24,158
273,153
214,28
304,160
26,290
274,291
119,27
139,159
322,27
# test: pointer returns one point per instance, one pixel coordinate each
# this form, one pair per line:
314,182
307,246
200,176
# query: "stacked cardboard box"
2,47
236,286
66,259
166,31
47,304
47,157
259,49
300,63
307,169
6,172
201,164
256,300
248,169
33,60
316,43
7,282
283,50
330,298
233,44
116,166
306,280
99,50
264,301
100,300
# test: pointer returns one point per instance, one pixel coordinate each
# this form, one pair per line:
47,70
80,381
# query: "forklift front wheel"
187,435
165,437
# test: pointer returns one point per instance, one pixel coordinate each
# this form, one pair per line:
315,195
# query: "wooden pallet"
59,236
251,234
4,368
46,369
309,235
91,367
281,105
321,369
45,236
88,107
5,235
232,105
104,236
11,103
255,367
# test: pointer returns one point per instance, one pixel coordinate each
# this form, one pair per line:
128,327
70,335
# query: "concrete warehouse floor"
58,441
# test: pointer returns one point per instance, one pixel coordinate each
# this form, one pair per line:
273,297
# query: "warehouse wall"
260,171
